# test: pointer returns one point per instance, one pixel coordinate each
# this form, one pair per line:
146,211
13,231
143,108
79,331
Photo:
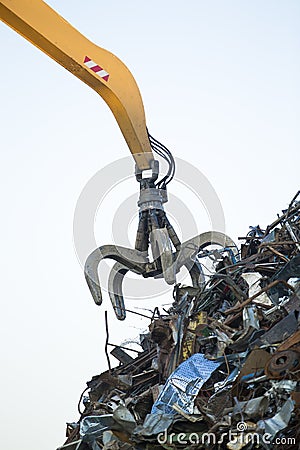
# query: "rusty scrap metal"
226,353
282,364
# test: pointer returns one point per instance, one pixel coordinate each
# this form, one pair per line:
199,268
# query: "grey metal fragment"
279,421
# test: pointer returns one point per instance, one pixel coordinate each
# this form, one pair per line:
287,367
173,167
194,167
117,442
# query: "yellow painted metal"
47,30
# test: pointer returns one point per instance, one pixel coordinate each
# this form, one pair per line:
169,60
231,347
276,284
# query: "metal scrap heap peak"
220,368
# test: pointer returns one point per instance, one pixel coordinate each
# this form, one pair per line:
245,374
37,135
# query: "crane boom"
95,66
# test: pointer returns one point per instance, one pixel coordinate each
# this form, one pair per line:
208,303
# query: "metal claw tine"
189,249
134,260
115,292
196,274
161,248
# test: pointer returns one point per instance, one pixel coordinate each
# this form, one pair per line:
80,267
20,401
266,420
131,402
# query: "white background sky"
220,84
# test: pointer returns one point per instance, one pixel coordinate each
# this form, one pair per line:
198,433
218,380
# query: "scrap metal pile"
220,368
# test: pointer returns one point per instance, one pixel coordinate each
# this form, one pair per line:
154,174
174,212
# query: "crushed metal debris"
220,368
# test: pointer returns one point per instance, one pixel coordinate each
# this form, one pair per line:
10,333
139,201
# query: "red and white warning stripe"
95,68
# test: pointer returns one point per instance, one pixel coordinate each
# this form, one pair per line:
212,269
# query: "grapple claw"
136,261
169,255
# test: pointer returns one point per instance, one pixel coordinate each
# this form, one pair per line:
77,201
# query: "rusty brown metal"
283,364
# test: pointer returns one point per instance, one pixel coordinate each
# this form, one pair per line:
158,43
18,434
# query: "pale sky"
220,85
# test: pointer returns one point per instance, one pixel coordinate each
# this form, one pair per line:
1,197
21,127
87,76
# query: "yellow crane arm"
98,68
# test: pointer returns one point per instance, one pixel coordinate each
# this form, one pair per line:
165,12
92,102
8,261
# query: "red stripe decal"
96,68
